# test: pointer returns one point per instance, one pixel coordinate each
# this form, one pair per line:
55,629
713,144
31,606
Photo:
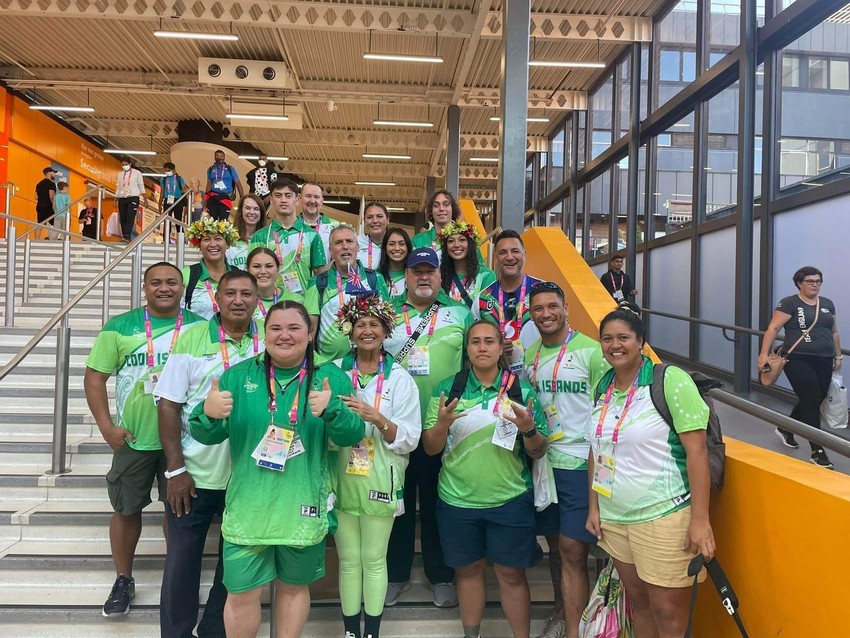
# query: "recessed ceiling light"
66,109
279,158
385,156
193,35
399,57
484,159
257,116
123,151
363,183
402,123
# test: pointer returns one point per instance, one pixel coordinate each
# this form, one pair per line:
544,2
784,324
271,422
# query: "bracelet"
177,472
838,356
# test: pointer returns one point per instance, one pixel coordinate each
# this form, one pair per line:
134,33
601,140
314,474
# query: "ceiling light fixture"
365,183
403,57
495,160
125,151
279,158
385,156
196,35
396,209
573,64
153,174
543,120
65,109
337,201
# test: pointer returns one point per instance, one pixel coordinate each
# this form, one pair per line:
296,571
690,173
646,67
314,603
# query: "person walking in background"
808,320
173,186
260,179
617,283
88,219
196,200
61,203
222,185
45,191
130,191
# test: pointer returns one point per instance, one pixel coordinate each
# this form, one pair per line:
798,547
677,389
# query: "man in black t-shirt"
45,190
617,283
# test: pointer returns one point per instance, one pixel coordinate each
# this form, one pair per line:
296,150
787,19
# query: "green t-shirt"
428,239
122,347
476,472
333,344
445,351
324,227
264,506
187,378
237,254
397,285
484,278
299,250
651,474
567,401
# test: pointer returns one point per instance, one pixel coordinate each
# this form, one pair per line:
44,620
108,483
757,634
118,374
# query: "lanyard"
608,393
297,250
340,290
622,281
127,176
149,335
430,326
506,383
222,339
355,376
262,306
558,360
371,245
210,292
224,171
293,411
520,306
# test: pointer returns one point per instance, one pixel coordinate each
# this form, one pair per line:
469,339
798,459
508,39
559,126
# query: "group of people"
306,382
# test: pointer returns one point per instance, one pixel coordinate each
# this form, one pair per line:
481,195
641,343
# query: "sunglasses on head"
543,286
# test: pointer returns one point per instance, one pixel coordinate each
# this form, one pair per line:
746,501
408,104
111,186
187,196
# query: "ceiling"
103,53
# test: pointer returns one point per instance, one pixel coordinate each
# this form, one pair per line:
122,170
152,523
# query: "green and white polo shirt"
324,226
237,254
187,378
202,302
299,249
122,347
651,474
476,472
368,252
568,400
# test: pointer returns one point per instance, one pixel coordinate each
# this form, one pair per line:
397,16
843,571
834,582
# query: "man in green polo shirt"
135,345
298,247
198,474
428,342
346,278
312,200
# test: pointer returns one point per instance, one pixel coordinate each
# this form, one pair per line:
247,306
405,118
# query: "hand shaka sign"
218,404
319,398
446,414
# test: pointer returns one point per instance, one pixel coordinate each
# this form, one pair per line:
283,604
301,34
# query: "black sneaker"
118,603
787,438
820,459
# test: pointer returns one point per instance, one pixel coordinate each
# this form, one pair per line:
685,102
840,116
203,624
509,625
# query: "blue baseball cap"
423,256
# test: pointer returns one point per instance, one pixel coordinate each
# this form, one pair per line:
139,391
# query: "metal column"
181,247
136,278
11,270
430,186
63,362
746,170
516,22
453,150
634,162
99,217
573,222
769,183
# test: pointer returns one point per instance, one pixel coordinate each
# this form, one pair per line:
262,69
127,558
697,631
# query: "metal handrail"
716,324
818,437
67,209
38,225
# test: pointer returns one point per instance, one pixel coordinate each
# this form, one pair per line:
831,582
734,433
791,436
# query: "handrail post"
166,240
105,305
11,245
99,215
25,289
181,247
136,283
63,362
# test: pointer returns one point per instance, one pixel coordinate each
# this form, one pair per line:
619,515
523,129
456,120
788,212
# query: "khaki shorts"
131,478
654,548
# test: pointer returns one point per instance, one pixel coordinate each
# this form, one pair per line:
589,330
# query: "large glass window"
555,216
790,70
600,211
582,139
676,51
556,160
673,180
721,166
624,72
602,105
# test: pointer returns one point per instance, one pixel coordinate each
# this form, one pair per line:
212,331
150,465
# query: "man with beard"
222,185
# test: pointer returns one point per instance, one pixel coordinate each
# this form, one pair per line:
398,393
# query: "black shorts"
42,214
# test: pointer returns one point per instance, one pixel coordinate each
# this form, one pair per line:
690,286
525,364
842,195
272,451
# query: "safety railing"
60,318
66,211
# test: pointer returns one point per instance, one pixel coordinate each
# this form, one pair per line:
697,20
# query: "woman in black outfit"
88,219
816,357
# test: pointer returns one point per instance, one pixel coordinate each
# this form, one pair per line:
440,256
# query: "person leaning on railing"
814,359
649,480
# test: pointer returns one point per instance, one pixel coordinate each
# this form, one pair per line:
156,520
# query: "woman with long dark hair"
394,253
463,275
265,266
278,409
248,217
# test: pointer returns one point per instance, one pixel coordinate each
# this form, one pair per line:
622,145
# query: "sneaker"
554,628
394,592
787,438
118,603
820,459
349,634
445,595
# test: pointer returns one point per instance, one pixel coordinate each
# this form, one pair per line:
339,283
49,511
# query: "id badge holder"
219,185
296,449
517,356
603,474
418,361
618,295
553,420
169,200
150,382
292,282
273,449
360,458
504,435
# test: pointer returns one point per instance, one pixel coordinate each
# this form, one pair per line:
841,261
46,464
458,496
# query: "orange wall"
5,125
36,140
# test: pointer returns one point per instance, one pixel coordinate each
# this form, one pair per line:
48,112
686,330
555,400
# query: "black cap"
48,169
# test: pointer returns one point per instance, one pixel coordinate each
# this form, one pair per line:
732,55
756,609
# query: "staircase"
55,565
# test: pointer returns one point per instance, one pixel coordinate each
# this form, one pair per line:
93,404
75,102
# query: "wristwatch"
177,472
529,434
386,426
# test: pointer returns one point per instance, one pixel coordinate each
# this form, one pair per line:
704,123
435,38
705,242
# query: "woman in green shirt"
394,253
278,410
462,273
265,266
248,217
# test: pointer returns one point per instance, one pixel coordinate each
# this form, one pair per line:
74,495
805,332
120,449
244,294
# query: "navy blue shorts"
547,522
571,486
503,534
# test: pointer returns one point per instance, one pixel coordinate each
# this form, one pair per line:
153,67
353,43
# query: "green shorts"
247,567
130,479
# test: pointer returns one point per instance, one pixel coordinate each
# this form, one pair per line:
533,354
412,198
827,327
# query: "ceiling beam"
537,98
400,169
554,26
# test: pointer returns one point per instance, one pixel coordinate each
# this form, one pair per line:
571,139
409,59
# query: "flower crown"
460,227
361,306
207,227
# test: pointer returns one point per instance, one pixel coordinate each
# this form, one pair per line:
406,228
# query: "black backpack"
713,433
459,383
194,278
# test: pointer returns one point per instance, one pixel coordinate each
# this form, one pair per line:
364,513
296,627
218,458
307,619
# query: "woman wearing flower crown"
264,265
212,238
370,475
248,217
463,274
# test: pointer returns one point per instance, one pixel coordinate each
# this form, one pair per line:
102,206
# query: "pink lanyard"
622,281
262,306
355,376
210,292
520,307
608,393
149,335
293,411
222,340
504,386
297,250
430,327
339,290
558,360
371,245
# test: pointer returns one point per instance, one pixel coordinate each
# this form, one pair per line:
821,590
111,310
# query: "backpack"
194,278
459,383
713,433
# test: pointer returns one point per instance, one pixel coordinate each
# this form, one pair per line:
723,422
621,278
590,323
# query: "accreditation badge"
553,420
517,356
618,295
292,282
361,457
419,361
273,449
603,474
504,435
150,382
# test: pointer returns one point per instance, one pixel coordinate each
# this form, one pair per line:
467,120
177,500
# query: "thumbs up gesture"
319,399
218,404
